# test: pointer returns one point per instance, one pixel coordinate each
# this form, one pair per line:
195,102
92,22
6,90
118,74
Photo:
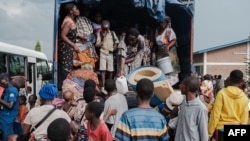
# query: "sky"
24,22
216,22
219,22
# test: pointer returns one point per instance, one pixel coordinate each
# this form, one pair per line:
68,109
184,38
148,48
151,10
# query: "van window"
16,65
42,67
2,63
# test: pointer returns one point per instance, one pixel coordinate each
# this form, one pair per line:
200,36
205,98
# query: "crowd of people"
93,110
194,113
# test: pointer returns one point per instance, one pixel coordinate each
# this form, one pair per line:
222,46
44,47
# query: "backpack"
113,37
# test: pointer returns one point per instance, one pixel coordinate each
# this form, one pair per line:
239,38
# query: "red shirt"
101,133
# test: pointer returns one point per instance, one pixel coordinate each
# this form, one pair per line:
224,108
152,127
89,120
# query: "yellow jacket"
230,107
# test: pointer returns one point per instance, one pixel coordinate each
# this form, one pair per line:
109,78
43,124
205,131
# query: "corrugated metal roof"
222,46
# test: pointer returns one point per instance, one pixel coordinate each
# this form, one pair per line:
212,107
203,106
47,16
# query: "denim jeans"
7,129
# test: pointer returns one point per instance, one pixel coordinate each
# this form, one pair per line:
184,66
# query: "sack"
84,74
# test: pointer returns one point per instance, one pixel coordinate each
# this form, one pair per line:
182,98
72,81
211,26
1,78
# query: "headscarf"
58,102
207,88
48,91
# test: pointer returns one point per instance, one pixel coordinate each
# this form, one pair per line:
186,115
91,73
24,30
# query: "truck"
142,14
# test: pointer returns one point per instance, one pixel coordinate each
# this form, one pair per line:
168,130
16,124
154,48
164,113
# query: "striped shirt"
142,124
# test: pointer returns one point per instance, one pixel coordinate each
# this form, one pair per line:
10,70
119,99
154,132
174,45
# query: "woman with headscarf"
47,94
166,43
67,41
133,51
207,91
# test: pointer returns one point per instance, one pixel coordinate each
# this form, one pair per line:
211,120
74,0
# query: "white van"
16,60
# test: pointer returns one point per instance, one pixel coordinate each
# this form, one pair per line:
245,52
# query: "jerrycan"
121,85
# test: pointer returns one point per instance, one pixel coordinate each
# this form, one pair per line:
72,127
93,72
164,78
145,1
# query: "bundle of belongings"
76,78
87,54
74,84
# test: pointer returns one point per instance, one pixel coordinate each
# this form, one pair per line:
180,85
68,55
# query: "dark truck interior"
144,16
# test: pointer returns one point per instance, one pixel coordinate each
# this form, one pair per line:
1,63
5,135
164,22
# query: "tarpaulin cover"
155,8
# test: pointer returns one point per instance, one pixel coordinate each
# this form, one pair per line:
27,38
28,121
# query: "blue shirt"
10,95
142,124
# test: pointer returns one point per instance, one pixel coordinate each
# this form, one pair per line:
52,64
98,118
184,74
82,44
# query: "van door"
31,74
31,81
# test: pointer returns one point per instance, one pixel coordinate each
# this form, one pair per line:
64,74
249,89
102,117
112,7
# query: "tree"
38,47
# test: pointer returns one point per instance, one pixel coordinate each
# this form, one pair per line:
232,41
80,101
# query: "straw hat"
174,99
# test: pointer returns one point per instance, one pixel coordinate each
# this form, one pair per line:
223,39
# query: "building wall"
235,53
222,61
224,70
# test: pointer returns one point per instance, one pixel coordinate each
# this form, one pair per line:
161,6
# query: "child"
22,108
97,130
107,41
59,130
22,112
32,102
97,22
79,120
28,93
99,95
115,101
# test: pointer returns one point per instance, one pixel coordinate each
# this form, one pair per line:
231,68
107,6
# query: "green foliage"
38,47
